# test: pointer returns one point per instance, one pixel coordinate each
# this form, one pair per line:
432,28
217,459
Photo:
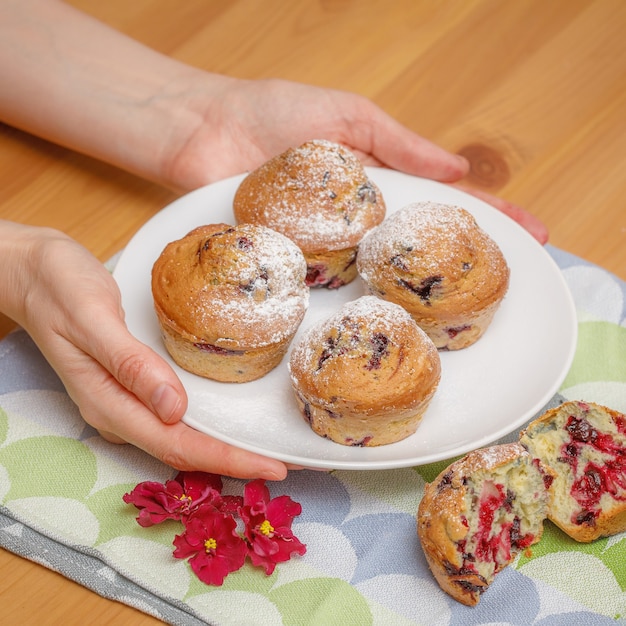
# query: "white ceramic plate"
486,391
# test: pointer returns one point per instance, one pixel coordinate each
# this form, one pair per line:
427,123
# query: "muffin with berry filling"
478,514
585,444
229,300
365,376
435,261
318,195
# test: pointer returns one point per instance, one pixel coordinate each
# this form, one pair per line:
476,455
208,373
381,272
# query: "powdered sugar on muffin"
319,196
365,376
230,299
262,290
435,261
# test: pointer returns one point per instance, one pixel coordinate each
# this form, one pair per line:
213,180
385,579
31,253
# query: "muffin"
478,514
319,196
229,300
585,444
435,261
365,376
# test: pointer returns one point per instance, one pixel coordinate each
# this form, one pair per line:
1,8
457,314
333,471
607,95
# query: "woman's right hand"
71,306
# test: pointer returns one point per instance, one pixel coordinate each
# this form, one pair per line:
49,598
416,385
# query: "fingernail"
465,164
165,401
271,474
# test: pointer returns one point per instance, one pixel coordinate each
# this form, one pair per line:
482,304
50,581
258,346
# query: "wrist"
20,246
105,94
194,120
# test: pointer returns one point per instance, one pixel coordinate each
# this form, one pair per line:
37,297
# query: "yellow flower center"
184,498
210,544
266,528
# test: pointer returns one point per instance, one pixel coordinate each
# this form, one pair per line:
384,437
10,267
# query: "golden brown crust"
365,376
227,366
435,261
318,195
585,444
229,299
450,514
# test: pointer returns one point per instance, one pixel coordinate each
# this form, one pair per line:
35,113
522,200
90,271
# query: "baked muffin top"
435,260
231,286
371,354
318,195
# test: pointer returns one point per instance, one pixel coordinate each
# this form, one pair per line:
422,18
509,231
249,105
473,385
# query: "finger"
139,369
184,448
394,145
418,156
111,437
147,376
120,416
525,219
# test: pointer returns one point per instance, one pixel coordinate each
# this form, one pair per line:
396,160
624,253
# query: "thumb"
143,372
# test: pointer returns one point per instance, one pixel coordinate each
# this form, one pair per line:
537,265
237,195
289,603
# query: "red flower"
178,498
211,540
268,526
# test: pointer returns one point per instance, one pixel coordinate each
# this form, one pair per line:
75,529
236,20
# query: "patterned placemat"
61,489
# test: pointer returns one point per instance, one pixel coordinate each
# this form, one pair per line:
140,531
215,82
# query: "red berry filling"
596,479
380,349
206,246
335,282
332,347
462,572
398,261
548,479
498,532
453,332
245,243
316,277
208,347
425,289
358,443
348,337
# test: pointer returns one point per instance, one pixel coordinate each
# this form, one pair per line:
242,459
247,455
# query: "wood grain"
532,91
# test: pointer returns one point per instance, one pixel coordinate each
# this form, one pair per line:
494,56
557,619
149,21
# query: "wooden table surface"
532,91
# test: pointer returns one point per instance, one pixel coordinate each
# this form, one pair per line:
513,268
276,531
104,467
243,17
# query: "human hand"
240,124
70,305
525,219
179,125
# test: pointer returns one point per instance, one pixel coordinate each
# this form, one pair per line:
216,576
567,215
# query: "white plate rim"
132,272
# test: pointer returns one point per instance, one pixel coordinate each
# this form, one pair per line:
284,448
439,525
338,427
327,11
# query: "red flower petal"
256,496
211,542
196,484
282,510
153,502
282,550
268,526
176,499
